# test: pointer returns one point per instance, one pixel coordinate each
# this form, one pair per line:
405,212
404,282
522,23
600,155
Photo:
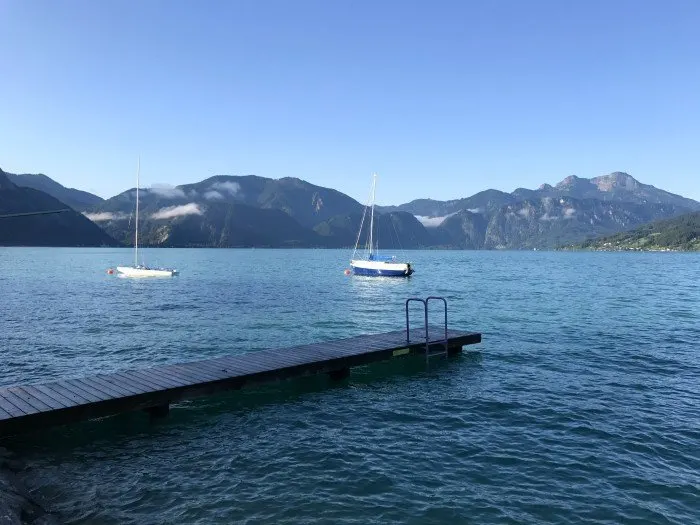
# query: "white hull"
371,265
140,271
385,268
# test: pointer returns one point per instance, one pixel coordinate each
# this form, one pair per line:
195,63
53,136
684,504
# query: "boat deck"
27,408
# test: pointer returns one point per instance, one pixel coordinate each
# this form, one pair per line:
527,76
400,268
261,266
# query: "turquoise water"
580,406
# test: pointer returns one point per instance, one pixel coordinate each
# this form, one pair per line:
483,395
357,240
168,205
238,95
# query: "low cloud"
229,187
431,222
213,195
569,213
167,191
177,211
525,212
104,216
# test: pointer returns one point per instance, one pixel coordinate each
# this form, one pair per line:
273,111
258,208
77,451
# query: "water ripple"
580,407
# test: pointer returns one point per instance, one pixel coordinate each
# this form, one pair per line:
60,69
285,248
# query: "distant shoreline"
350,249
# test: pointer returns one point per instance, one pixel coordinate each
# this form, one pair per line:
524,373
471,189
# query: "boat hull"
381,268
132,271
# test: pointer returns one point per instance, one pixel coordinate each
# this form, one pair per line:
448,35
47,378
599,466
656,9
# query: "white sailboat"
141,270
372,264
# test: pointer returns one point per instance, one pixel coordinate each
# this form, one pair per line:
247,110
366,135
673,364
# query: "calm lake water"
582,404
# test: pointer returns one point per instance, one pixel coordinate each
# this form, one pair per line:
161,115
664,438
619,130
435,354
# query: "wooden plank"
268,359
330,350
58,395
133,379
40,405
246,367
250,366
4,414
214,367
155,377
9,407
175,376
234,365
85,392
347,350
299,355
19,402
207,373
120,380
201,367
390,342
256,364
146,387
308,358
307,355
120,386
226,364
191,373
188,375
359,347
126,390
98,388
36,394
94,384
341,348
264,362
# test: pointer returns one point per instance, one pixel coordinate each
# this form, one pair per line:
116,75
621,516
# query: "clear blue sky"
442,99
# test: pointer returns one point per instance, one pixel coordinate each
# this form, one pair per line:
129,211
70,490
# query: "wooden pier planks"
25,408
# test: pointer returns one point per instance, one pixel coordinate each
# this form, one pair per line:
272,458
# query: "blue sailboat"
372,264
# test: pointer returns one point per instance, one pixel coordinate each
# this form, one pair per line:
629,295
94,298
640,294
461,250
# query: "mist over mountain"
248,210
572,211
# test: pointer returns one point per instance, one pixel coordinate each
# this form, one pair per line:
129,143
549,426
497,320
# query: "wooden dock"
27,408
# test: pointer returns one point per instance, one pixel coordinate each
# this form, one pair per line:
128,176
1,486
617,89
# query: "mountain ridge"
250,210
69,228
680,233
79,200
616,186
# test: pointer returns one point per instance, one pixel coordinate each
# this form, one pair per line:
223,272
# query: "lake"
579,406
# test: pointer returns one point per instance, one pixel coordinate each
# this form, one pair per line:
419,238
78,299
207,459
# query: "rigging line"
359,232
31,213
371,217
398,239
376,239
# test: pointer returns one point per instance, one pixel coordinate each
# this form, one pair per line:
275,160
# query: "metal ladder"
428,353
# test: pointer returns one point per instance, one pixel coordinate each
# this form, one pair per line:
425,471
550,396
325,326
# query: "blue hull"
380,273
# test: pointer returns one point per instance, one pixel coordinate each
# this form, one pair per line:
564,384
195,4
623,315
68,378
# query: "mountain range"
239,211
77,199
678,234
69,228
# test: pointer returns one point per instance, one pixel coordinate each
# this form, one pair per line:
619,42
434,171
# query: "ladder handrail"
426,315
425,302
425,310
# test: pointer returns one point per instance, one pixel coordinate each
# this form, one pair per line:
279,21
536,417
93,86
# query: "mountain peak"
617,179
5,182
545,187
568,182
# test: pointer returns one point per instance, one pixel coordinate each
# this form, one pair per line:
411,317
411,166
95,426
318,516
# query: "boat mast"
371,217
136,235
